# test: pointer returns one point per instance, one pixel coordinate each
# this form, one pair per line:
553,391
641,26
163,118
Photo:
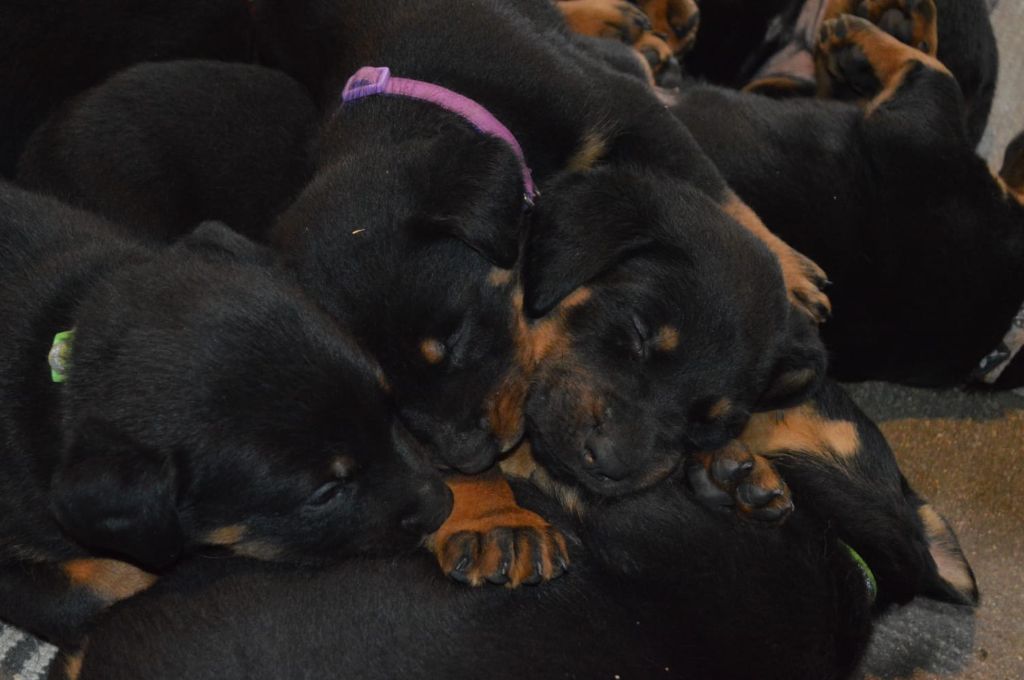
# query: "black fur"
659,587
50,51
373,241
165,146
925,248
205,393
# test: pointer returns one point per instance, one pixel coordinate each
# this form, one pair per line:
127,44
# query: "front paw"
616,19
510,547
805,283
732,478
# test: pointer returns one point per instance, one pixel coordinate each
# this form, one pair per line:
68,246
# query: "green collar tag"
869,577
59,357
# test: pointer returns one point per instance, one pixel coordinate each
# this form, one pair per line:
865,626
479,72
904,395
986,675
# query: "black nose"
599,458
431,508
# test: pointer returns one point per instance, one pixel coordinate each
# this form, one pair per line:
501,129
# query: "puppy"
50,51
193,397
768,45
165,146
661,587
413,208
925,244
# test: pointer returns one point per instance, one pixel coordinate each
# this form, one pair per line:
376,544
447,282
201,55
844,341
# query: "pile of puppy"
302,360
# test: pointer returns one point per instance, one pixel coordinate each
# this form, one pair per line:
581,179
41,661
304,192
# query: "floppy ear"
113,495
219,240
1012,171
474,192
800,367
588,223
949,577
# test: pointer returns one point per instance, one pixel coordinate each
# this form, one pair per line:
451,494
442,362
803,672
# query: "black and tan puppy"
164,146
661,587
769,45
199,400
50,51
413,208
924,242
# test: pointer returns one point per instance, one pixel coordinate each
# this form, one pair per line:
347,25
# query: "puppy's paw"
655,50
676,20
805,284
732,478
616,19
508,547
912,22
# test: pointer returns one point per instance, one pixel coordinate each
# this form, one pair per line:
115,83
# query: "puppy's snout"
429,510
600,459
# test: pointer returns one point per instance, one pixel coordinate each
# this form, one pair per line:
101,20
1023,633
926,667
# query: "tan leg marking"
802,277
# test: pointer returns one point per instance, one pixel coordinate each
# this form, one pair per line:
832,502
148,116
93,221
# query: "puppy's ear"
474,192
1012,171
114,495
949,577
588,223
217,239
799,368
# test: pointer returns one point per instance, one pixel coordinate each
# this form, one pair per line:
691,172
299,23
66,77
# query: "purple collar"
372,80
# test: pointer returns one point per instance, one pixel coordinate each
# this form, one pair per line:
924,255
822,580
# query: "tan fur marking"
110,580
797,269
432,350
943,549
499,277
505,409
258,550
228,535
719,408
382,381
667,339
589,153
73,665
664,13
801,430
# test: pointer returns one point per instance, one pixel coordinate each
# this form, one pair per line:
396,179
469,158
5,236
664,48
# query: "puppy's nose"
599,458
431,508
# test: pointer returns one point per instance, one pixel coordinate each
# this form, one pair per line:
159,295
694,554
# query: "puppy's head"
660,325
412,247
208,402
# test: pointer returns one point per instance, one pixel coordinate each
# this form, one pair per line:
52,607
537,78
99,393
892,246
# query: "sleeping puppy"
51,51
165,146
191,397
924,242
661,587
415,217
768,45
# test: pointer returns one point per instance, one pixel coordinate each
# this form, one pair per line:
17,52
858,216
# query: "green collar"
869,577
59,357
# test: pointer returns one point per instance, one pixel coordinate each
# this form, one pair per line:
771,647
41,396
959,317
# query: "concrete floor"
965,453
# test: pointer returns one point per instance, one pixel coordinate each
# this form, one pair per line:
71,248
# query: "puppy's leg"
57,601
489,538
733,477
857,59
804,279
840,468
617,19
912,22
